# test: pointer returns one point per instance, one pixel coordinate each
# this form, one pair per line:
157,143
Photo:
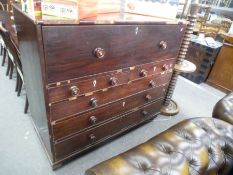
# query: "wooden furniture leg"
8,67
4,56
11,69
20,87
26,106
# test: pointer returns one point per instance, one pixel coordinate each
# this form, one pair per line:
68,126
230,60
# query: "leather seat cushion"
194,146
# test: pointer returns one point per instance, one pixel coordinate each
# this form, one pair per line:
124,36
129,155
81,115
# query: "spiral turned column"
170,107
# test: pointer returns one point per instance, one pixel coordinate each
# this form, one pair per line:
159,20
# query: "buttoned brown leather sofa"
197,146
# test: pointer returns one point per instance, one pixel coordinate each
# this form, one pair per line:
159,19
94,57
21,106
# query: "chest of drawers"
87,83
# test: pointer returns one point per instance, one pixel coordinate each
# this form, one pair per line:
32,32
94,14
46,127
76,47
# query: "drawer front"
76,51
108,80
103,132
100,98
97,116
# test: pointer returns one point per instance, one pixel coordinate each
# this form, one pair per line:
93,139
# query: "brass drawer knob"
74,90
148,97
92,138
113,81
144,113
94,102
163,45
93,120
152,84
99,53
165,67
143,73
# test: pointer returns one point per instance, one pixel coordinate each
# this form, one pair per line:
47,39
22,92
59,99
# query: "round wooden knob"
99,53
143,73
144,113
163,44
74,90
93,120
113,81
148,97
152,84
94,102
92,138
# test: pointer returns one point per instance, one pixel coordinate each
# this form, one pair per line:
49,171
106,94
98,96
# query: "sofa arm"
224,109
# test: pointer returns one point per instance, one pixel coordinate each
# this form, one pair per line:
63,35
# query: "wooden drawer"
100,98
95,117
76,51
96,135
108,80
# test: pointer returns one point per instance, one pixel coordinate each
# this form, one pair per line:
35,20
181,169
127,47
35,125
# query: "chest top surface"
110,18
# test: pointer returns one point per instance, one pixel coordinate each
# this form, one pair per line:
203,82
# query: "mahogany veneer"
87,83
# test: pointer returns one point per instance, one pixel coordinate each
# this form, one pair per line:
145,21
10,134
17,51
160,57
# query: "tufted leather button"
186,137
210,150
165,147
192,162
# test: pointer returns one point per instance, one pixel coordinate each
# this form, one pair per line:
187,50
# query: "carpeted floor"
22,154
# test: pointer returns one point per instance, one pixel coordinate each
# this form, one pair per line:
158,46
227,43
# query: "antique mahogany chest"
89,81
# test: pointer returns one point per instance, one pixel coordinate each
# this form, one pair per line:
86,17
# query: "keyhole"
123,104
94,83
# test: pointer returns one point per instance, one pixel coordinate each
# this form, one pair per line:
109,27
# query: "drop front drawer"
103,132
85,103
105,80
78,123
76,51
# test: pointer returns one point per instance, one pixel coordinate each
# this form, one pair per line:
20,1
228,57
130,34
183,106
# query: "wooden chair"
13,63
2,6
3,51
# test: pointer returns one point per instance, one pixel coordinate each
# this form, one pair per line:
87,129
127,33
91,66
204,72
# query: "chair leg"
1,49
26,106
20,87
11,70
17,82
8,67
4,56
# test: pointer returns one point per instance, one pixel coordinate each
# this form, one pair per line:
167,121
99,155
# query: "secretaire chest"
88,82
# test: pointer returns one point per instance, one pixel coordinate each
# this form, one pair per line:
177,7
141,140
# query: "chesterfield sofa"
197,146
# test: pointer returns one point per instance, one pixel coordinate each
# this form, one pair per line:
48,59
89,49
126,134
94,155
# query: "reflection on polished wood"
94,79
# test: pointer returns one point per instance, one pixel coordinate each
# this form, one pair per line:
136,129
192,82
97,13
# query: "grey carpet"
22,154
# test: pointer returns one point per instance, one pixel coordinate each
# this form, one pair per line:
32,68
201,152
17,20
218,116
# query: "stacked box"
60,8
32,7
203,56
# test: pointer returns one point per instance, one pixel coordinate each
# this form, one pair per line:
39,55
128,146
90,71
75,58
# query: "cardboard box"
60,8
79,9
161,9
32,7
